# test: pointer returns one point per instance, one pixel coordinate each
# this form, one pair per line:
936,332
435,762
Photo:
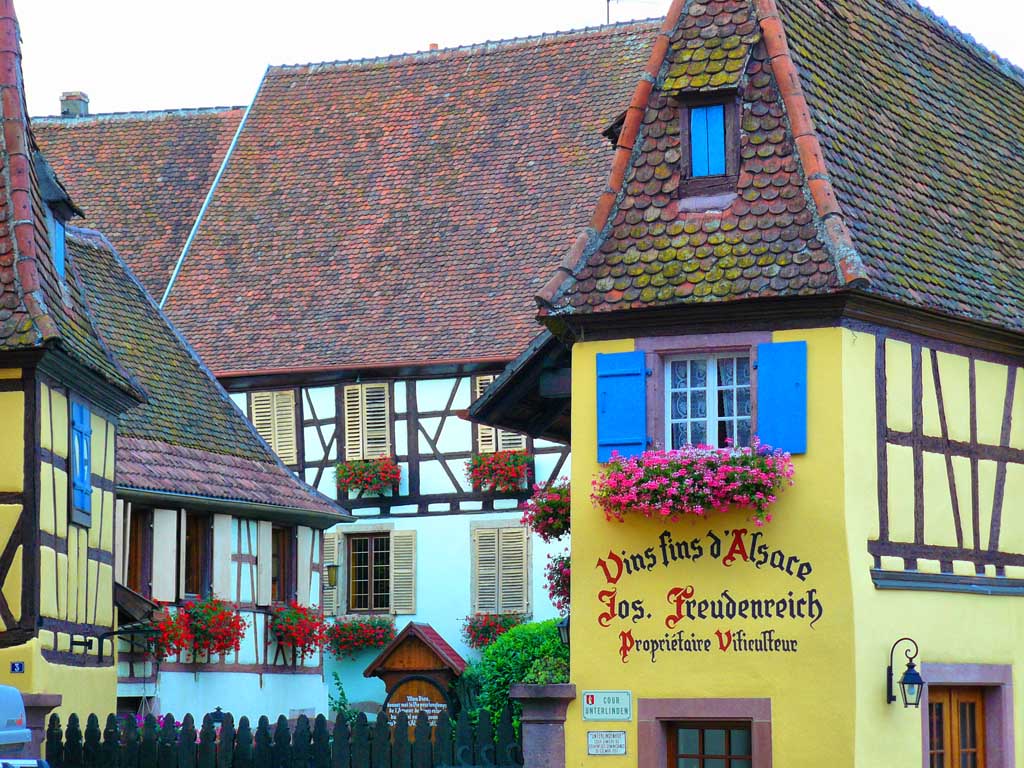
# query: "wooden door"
956,727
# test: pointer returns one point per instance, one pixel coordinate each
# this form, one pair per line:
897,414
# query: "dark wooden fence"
163,744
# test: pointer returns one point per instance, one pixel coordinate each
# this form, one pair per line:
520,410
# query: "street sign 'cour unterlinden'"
608,705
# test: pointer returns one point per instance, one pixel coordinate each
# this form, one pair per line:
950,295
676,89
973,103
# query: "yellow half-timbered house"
809,235
127,476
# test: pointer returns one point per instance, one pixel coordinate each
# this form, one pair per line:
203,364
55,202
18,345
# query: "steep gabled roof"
141,177
430,637
878,154
405,210
189,439
37,308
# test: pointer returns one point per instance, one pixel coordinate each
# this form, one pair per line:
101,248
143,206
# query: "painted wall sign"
606,742
607,705
700,618
412,706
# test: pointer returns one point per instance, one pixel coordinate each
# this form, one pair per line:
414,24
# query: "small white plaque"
606,742
607,705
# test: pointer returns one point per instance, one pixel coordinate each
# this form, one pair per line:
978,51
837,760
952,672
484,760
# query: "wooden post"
421,748
242,757
508,752
54,753
226,743
130,748
73,743
321,743
166,756
340,750
443,754
110,749
400,747
464,741
282,746
361,742
485,740
149,749
263,755
207,752
186,751
381,754
301,741
91,750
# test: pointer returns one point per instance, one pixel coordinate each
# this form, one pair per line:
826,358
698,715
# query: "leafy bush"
511,659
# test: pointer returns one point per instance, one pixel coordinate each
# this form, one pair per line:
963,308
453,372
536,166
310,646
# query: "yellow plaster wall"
809,524
12,441
84,689
949,627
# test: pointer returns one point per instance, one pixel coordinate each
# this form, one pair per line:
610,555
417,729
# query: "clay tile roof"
403,210
141,177
37,308
877,153
189,438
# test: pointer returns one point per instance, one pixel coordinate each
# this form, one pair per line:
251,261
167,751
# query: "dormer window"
710,147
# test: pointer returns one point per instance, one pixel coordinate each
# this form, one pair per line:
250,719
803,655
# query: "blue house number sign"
17,667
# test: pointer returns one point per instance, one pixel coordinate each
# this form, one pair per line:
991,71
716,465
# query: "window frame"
711,388
689,185
672,743
204,559
659,349
371,609
283,581
657,720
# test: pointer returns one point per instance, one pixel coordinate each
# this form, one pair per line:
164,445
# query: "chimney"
433,46
74,104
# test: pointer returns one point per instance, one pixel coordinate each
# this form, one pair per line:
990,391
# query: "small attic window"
710,143
55,228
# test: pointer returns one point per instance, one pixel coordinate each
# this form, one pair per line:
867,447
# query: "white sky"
154,54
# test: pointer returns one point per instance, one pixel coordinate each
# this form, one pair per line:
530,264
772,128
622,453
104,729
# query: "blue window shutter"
699,141
782,395
707,140
716,140
621,404
81,448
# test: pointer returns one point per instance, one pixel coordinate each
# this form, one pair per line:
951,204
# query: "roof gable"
429,636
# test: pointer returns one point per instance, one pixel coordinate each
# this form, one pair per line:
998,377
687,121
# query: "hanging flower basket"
346,636
556,574
173,635
300,627
215,625
368,475
500,472
694,481
482,629
547,512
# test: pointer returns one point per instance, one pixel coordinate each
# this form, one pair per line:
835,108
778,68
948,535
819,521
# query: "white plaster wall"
443,589
240,694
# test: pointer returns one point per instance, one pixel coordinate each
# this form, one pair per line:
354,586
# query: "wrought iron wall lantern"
563,631
911,683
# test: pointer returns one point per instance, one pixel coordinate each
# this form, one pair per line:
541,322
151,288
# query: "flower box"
499,472
482,629
694,480
299,627
368,476
347,636
203,628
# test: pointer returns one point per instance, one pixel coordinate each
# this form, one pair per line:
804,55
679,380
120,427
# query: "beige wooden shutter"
182,564
264,552
303,561
285,442
273,415
486,437
513,570
330,594
122,523
376,420
511,441
485,570
222,557
163,578
353,422
403,572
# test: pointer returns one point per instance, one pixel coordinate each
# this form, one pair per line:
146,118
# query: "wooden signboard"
417,668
